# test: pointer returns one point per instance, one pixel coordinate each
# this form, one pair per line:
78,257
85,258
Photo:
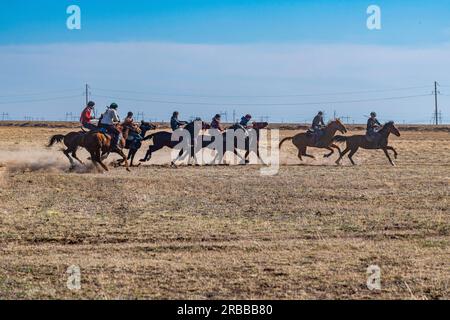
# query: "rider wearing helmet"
108,121
245,120
86,116
215,124
175,124
373,125
133,129
318,122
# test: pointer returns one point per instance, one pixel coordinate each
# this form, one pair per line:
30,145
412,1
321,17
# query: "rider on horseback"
215,124
108,121
373,125
245,120
86,116
318,123
133,130
176,124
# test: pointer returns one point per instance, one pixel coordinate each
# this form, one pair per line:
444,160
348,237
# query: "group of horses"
98,143
328,141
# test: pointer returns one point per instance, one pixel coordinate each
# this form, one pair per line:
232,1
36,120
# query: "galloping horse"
164,139
136,145
360,141
302,141
95,142
248,143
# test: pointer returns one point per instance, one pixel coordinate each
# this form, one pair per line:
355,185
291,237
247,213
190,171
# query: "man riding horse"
176,124
86,116
108,121
317,127
304,140
373,127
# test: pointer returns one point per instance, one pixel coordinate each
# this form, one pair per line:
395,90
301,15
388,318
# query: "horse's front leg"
395,151
329,154
124,157
337,148
388,156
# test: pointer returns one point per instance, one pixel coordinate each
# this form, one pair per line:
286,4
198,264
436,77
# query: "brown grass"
225,232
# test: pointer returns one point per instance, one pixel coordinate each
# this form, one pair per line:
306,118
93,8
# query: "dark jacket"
318,122
372,124
244,121
175,123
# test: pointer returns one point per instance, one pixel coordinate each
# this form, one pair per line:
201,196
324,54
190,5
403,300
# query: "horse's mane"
333,121
386,125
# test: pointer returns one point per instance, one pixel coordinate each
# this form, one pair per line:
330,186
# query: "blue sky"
412,22
207,47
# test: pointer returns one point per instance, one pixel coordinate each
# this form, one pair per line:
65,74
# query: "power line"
264,96
262,104
38,94
41,100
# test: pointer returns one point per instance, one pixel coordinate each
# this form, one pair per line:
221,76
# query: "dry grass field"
225,232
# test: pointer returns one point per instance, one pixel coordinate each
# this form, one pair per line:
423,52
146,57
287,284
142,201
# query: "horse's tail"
55,139
284,140
340,139
149,137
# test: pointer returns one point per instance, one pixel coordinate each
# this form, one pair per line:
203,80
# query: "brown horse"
302,141
95,142
360,141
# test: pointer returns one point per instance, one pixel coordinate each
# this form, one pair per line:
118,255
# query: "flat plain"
225,232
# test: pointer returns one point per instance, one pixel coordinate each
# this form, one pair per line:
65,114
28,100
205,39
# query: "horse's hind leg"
301,152
307,155
150,150
98,159
388,156
74,155
338,161
67,154
350,156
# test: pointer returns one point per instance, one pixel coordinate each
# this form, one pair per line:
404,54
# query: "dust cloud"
35,160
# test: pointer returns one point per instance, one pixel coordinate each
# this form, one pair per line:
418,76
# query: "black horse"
164,139
135,144
251,142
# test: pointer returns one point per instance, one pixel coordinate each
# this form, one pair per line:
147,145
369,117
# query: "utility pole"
436,113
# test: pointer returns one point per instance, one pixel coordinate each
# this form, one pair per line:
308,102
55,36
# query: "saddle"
316,135
374,138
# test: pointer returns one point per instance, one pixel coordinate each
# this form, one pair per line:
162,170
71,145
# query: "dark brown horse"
303,140
163,139
360,141
95,142
250,140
